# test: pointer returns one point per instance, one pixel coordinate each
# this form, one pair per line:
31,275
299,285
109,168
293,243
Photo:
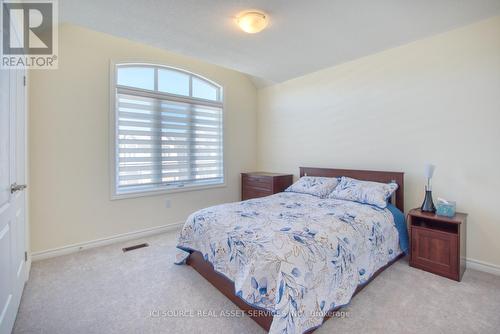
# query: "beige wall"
435,100
69,155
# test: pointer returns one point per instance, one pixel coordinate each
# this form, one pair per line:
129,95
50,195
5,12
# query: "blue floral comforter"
295,255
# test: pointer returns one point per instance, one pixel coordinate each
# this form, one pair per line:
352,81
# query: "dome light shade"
252,21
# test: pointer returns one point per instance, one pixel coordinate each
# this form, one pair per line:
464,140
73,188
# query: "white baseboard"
483,266
46,254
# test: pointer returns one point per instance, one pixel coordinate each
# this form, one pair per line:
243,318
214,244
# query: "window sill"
146,193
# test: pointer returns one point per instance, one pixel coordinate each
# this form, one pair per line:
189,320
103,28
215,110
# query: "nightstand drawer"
261,182
435,251
251,192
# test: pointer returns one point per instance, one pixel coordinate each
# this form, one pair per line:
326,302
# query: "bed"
291,260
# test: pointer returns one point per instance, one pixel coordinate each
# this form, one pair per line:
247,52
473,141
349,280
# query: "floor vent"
127,249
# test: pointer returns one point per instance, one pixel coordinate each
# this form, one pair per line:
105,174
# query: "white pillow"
366,192
314,185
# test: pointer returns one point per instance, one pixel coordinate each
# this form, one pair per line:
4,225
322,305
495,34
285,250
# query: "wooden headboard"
366,175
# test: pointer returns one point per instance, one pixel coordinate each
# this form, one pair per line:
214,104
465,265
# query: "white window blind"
167,140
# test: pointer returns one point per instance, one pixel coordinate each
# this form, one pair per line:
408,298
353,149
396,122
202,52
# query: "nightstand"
260,184
437,243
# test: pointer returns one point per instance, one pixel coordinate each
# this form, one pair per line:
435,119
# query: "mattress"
295,255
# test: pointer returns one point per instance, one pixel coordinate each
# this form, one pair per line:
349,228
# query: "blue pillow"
366,192
314,185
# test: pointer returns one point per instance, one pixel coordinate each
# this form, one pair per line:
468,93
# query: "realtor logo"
29,34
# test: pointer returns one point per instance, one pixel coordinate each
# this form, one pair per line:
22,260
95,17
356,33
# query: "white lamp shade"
429,170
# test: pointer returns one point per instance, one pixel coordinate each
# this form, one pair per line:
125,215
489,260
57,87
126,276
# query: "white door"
12,196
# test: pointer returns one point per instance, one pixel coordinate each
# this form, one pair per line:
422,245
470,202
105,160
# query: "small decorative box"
446,209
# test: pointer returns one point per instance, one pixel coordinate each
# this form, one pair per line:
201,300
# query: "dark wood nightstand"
260,184
438,243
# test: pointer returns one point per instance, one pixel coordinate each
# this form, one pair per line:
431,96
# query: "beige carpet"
106,291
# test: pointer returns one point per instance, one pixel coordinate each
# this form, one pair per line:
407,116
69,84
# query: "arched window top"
167,80
168,128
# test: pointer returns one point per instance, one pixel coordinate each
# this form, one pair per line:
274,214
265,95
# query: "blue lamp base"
428,204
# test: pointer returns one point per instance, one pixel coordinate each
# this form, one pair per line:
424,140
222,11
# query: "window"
167,128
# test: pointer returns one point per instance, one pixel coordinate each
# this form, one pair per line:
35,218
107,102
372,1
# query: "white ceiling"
303,36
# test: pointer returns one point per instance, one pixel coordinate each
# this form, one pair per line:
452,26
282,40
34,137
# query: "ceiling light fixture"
252,21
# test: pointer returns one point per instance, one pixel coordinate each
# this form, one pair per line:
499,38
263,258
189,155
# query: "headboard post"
366,175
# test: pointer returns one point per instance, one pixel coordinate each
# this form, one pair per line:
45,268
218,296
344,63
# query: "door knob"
17,187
